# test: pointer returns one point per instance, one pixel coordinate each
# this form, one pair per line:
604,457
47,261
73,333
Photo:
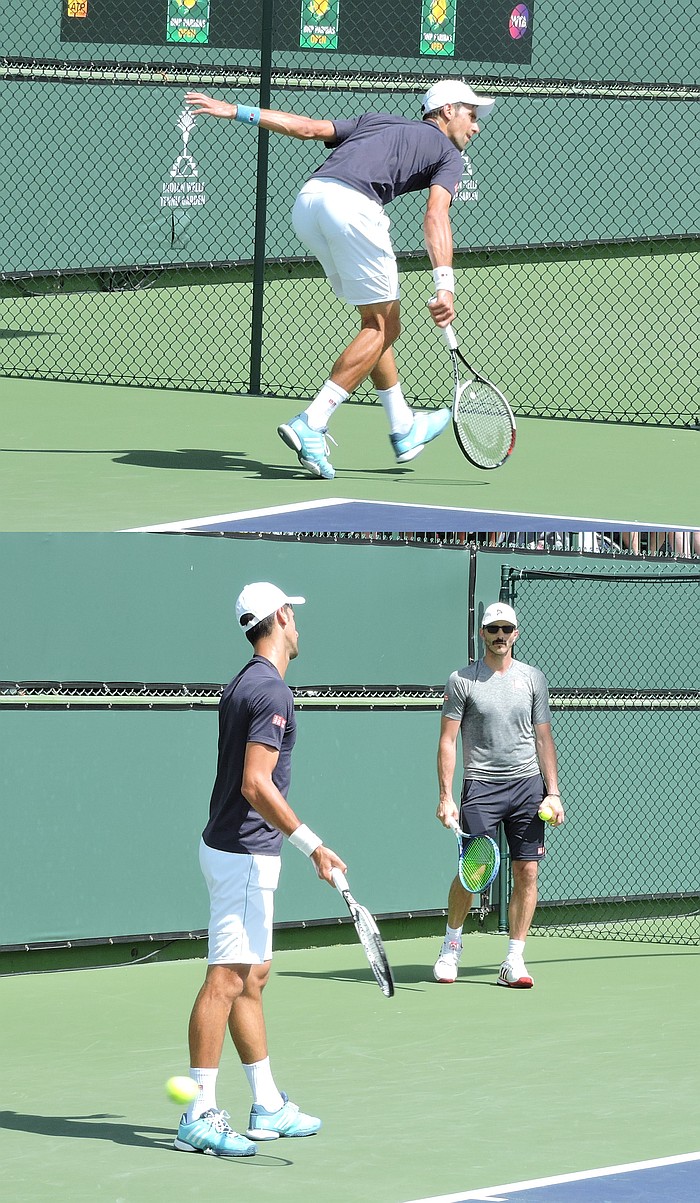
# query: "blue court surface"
673,1179
345,514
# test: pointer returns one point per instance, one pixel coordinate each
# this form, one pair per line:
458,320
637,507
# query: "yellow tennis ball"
546,813
181,1089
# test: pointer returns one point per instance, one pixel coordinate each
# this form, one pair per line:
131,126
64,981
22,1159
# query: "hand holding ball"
546,813
181,1090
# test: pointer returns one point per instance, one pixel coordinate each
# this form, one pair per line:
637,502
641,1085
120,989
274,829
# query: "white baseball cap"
455,91
259,600
499,612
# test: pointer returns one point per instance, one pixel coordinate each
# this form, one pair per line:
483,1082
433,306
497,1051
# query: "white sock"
325,404
396,408
516,948
206,1099
453,933
263,1086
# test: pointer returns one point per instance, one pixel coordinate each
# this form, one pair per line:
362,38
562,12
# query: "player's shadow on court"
102,1127
200,459
406,976
87,1127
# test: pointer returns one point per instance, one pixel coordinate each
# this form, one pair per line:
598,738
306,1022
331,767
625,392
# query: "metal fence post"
259,247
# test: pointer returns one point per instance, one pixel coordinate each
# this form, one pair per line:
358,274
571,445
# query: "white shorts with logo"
349,235
241,897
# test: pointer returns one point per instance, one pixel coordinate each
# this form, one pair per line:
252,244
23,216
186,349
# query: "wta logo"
519,21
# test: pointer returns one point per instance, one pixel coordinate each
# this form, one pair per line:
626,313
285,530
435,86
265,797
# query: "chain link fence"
619,650
143,247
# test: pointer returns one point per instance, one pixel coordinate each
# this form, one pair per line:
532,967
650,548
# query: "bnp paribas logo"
438,27
184,188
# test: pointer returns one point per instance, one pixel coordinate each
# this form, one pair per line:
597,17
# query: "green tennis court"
99,457
438,1090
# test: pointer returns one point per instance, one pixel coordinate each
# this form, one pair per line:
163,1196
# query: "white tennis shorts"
241,897
349,235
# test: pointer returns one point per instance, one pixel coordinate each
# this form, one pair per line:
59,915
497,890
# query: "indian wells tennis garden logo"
184,188
468,187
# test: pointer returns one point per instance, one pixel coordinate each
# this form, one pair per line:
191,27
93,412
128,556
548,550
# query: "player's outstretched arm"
294,126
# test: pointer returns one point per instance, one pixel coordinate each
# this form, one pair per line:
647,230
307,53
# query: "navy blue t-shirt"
255,707
384,156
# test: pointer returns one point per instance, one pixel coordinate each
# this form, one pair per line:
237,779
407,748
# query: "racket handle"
450,337
339,880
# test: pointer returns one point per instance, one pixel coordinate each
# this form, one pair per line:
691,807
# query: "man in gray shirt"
339,216
501,709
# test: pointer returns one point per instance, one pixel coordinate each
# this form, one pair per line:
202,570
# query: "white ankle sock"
263,1086
325,404
396,408
516,948
453,933
206,1099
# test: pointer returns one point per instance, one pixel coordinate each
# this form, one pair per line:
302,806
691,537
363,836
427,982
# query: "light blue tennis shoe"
310,445
211,1134
288,1121
426,427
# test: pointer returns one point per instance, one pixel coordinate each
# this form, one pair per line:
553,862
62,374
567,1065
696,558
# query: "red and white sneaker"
514,974
445,968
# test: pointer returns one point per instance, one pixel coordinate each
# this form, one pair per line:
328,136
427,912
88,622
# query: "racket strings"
483,421
477,863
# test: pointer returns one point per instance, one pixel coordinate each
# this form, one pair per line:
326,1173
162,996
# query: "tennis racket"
479,860
368,932
483,422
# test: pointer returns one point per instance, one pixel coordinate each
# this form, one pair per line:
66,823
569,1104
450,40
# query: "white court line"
495,1193
269,511
192,523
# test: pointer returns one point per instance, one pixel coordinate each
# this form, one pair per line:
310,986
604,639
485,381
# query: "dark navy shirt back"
255,707
384,156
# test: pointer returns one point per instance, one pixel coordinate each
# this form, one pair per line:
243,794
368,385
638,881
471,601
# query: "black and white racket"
479,860
368,932
483,422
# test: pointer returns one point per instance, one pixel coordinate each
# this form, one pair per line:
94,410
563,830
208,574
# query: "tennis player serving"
500,706
339,216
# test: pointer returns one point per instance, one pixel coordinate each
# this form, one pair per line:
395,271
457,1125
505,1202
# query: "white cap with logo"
259,600
499,612
455,91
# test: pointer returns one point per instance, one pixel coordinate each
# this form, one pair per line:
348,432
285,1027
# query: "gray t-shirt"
498,713
383,156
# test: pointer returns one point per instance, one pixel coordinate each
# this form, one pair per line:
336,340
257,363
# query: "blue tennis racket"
479,860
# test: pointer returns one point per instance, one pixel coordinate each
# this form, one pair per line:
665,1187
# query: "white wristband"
444,277
305,840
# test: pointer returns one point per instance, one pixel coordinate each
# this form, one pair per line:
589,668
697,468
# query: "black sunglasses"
494,628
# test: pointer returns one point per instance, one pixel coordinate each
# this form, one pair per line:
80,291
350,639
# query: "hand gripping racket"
368,932
479,860
482,419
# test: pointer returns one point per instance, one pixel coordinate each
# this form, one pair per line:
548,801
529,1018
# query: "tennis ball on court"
181,1089
546,813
